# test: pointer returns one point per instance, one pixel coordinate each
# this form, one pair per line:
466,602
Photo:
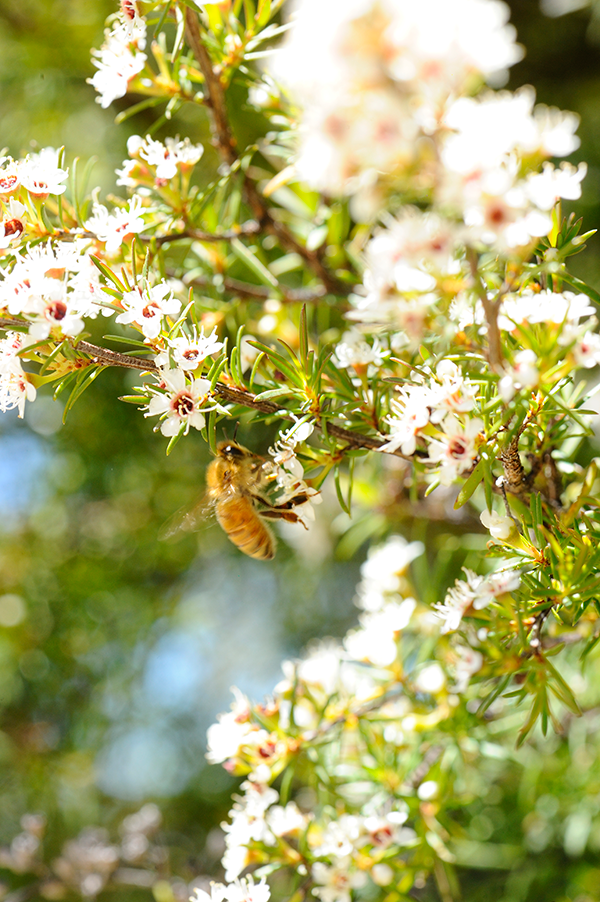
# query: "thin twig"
247,228
490,308
535,640
263,292
225,143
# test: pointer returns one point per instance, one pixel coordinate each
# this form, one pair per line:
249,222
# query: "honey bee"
236,481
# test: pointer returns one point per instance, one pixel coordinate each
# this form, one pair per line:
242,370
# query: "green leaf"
470,485
303,334
175,439
253,263
83,381
273,393
135,399
107,273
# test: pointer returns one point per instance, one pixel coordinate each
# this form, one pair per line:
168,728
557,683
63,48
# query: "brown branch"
223,136
225,143
490,308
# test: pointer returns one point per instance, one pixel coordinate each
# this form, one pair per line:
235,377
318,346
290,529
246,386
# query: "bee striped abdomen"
243,526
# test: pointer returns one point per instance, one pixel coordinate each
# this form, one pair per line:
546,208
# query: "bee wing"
187,518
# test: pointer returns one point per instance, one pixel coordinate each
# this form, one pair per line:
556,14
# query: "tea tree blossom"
114,227
118,61
455,448
189,353
168,158
147,306
499,525
41,175
181,404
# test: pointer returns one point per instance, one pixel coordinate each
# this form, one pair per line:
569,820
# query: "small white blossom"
354,351
146,308
15,389
468,662
167,158
182,405
455,448
189,353
334,883
114,227
524,374
40,174
499,525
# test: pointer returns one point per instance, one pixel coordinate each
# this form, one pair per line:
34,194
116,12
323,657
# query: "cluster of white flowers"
121,57
476,592
157,162
442,400
113,227
15,387
378,76
375,666
245,890
53,287
38,174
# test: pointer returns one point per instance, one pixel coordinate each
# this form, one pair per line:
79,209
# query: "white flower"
114,227
118,62
353,350
524,374
339,837
283,821
411,409
226,736
12,225
476,592
499,525
15,389
58,313
382,570
146,308
182,405
455,448
10,178
333,884
41,175
586,350
543,307
166,158
376,640
244,890
189,353
468,662
546,187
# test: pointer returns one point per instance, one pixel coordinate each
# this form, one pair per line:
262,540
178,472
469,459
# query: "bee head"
232,451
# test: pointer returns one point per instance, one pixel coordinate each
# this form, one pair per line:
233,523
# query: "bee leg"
294,501
282,513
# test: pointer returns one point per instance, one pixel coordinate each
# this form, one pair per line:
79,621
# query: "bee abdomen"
239,520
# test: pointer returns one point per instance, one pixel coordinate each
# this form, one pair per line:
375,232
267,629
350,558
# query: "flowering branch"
233,395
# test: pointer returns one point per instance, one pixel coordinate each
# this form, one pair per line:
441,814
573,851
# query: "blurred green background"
117,650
